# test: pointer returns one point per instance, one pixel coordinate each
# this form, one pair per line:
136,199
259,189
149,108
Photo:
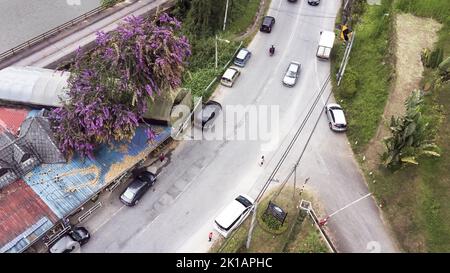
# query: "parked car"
336,117
74,239
230,76
242,57
80,234
143,181
267,24
64,245
205,118
314,2
292,73
233,215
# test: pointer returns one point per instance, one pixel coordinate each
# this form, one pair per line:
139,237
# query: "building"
45,192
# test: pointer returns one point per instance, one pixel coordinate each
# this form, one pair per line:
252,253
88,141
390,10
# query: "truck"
326,42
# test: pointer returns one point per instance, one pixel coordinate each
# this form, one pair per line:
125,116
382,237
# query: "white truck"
325,44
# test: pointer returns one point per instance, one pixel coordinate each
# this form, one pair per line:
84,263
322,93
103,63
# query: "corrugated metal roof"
64,187
50,192
12,118
21,208
33,85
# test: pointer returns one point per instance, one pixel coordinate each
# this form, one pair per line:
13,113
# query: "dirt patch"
412,34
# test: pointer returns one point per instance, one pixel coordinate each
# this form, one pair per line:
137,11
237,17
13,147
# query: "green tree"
410,135
205,16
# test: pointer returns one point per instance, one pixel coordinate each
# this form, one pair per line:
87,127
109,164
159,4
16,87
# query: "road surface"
21,20
202,177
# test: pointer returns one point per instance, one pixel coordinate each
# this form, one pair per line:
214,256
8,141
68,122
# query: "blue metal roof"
65,187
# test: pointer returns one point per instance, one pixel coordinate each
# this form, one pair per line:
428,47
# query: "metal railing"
46,35
89,212
54,237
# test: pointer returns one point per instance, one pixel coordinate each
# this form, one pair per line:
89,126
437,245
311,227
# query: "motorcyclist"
272,50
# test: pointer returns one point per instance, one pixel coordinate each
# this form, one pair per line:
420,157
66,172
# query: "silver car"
292,73
242,57
64,245
336,117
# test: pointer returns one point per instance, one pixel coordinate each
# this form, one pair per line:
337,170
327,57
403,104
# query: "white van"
230,76
325,46
233,215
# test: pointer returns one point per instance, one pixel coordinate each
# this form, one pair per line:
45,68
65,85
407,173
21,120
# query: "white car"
64,245
230,76
233,215
292,73
336,117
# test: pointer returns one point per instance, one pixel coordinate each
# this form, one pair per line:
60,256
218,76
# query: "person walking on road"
210,236
262,161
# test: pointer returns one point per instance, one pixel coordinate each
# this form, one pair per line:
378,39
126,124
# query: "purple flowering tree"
109,87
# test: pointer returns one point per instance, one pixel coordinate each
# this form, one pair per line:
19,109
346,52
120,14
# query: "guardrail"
89,212
54,237
44,36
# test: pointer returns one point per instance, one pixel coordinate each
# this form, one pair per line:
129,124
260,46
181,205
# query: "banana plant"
409,137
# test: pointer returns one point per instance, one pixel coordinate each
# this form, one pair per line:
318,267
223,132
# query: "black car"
142,182
267,24
209,113
80,234
313,2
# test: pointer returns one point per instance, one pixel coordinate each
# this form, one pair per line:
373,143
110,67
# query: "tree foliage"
205,17
109,87
410,136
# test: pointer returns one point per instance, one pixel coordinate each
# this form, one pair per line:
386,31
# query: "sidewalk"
56,51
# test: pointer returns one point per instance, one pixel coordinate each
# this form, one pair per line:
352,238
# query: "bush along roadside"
365,86
202,32
109,3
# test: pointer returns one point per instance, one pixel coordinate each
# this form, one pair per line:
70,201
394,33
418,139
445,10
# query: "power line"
294,139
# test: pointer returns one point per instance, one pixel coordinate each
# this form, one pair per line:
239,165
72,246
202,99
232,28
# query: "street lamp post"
222,40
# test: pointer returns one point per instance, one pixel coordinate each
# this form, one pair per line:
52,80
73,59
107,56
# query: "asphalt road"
21,20
202,177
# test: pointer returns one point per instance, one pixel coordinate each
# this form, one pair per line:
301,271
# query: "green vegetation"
308,240
109,3
365,86
410,137
415,197
297,234
203,20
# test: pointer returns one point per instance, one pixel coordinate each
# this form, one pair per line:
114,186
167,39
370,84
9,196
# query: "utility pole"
225,18
222,40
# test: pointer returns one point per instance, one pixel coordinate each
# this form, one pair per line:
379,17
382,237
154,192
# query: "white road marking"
109,219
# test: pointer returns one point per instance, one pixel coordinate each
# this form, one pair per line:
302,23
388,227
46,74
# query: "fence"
89,212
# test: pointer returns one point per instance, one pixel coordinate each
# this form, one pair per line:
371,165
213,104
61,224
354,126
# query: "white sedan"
292,73
233,215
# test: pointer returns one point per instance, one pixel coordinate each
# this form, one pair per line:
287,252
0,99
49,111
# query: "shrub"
271,222
349,84
109,3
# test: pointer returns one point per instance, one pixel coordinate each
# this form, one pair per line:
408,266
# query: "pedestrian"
262,161
161,157
210,236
